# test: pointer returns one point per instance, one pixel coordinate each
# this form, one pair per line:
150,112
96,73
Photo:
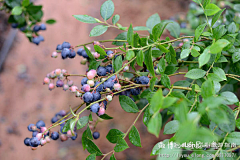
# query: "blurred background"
24,100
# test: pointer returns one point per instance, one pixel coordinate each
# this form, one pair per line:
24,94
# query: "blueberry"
142,80
41,38
88,97
36,28
84,54
66,45
72,54
43,26
96,135
101,71
79,51
94,108
54,119
14,25
59,83
61,113
65,53
135,91
54,135
62,124
30,127
40,124
34,133
96,96
99,88
74,137
105,103
183,25
36,40
109,52
27,141
34,142
23,28
109,68
84,81
59,47
108,84
112,78
61,130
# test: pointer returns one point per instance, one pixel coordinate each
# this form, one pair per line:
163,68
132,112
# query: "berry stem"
102,41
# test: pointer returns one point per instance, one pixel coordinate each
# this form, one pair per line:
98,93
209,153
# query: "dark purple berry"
135,91
84,54
59,83
59,47
72,54
109,68
36,28
66,45
108,84
88,97
62,113
40,124
34,133
30,127
74,137
96,96
34,142
94,108
96,135
142,80
99,88
84,81
61,130
27,141
36,40
54,135
79,51
65,53
14,25
54,119
101,71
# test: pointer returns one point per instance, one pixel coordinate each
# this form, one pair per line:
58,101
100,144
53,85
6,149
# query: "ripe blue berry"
54,119
36,40
40,124
96,135
135,91
84,81
66,45
34,142
142,80
59,83
96,96
14,25
36,28
59,47
79,51
41,38
108,84
65,53
27,141
109,68
99,88
61,113
54,135
62,123
30,127
23,28
74,137
88,97
112,78
183,25
109,52
101,71
72,54
43,26
61,130
84,54
34,133
94,108
105,103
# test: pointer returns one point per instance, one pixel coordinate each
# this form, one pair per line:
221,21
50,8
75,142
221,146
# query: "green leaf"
158,30
140,58
204,135
232,28
220,73
199,31
238,123
105,116
219,45
141,28
236,56
168,102
117,64
160,145
207,89
161,65
211,9
156,101
173,28
127,104
91,157
115,19
134,137
112,157
107,9
148,62
121,36
72,124
89,53
170,70
219,31
205,3
17,10
114,134
85,18
82,122
121,145
163,49
183,136
66,127
94,64
50,21
165,81
195,73
185,53
216,16
25,3
194,53
130,54
171,127
236,7
130,35
155,123
100,51
229,98
198,1
98,30
92,148
204,57
234,137
152,21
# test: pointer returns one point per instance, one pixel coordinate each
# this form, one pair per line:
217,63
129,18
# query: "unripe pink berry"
117,86
109,98
70,133
54,55
86,88
46,80
64,71
126,68
34,128
96,43
91,127
51,86
90,83
61,76
65,87
74,89
58,72
52,74
185,40
70,83
84,61
43,129
43,142
39,136
63,137
180,44
78,94
91,74
96,55
101,111
48,75
110,56
48,139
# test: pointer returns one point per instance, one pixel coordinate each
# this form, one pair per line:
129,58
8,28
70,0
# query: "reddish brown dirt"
25,100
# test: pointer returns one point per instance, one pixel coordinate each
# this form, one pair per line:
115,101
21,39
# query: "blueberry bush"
27,17
203,108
